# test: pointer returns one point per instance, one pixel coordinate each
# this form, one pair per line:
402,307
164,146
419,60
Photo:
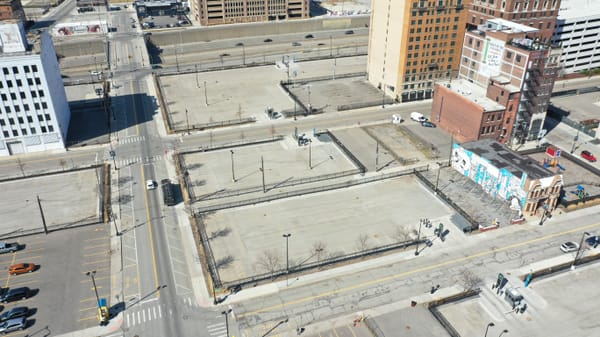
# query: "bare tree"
269,261
401,234
21,166
469,280
362,242
319,248
62,163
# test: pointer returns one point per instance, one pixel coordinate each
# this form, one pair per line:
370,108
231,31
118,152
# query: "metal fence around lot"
347,152
311,190
286,183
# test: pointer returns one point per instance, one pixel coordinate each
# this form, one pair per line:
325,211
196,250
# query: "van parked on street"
418,117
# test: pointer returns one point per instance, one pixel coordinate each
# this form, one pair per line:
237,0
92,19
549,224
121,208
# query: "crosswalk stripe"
159,312
154,311
138,314
214,325
144,315
127,317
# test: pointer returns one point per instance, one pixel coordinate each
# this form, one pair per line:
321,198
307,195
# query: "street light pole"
503,332
310,154
262,170
91,274
197,83
187,121
578,250
418,237
205,95
287,257
226,314
232,167
488,326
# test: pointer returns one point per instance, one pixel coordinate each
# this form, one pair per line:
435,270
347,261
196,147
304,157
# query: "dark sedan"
593,241
15,312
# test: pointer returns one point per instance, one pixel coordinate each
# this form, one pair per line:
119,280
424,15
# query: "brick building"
12,9
216,12
413,43
504,83
539,14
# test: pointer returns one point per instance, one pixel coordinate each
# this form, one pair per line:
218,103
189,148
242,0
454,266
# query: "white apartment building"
34,112
578,32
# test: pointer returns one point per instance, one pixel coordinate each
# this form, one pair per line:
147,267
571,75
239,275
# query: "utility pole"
114,219
418,237
310,154
377,156
226,313
42,214
437,179
205,95
233,169
262,169
187,121
197,83
578,249
287,257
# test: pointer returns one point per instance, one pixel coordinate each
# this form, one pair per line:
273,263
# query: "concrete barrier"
205,34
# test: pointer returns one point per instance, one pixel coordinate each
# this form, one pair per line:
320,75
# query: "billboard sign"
492,57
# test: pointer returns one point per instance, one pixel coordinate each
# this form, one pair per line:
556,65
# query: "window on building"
19,83
30,119
26,69
17,108
50,128
15,133
36,106
20,119
43,129
32,131
13,95
9,83
7,108
40,118
22,94
44,105
33,93
518,58
15,70
5,71
47,116
38,81
26,107
41,93
2,122
3,97
508,55
11,121
24,132
34,68
6,134
30,81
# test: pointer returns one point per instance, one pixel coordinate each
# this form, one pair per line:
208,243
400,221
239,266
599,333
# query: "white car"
569,246
150,184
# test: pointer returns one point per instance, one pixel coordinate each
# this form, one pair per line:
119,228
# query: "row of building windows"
578,23
32,131
19,82
21,120
17,108
22,94
15,69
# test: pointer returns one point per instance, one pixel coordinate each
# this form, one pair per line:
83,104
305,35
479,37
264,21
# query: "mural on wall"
496,182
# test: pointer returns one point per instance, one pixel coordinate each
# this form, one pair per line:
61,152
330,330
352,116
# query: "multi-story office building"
34,113
503,88
11,9
539,14
413,43
578,33
216,12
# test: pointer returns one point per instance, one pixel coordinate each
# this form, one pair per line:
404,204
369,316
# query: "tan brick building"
12,9
539,14
414,43
216,12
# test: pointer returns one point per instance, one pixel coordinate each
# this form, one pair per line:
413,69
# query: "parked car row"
16,318
570,246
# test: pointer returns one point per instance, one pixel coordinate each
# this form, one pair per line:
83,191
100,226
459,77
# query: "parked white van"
417,117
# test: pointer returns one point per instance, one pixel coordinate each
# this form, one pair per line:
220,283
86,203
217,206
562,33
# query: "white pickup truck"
6,247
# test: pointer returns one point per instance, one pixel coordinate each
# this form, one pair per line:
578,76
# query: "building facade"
413,43
217,12
507,78
34,114
12,9
503,173
539,14
578,33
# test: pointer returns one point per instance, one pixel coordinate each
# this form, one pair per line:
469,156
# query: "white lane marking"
159,312
144,315
154,312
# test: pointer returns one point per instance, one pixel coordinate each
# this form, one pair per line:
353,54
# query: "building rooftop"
572,9
501,24
474,93
503,158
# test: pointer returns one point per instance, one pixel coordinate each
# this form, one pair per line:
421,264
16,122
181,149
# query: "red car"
588,155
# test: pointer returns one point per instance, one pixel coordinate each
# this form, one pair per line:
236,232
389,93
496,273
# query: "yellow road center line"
278,307
150,234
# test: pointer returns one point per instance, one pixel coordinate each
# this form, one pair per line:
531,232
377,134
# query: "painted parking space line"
96,278
97,270
96,239
96,262
105,245
96,254
19,284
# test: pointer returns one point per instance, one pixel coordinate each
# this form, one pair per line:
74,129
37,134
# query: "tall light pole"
310,154
578,250
418,237
205,95
241,44
91,274
262,170
226,314
503,332
232,167
187,121
287,257
197,83
488,326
